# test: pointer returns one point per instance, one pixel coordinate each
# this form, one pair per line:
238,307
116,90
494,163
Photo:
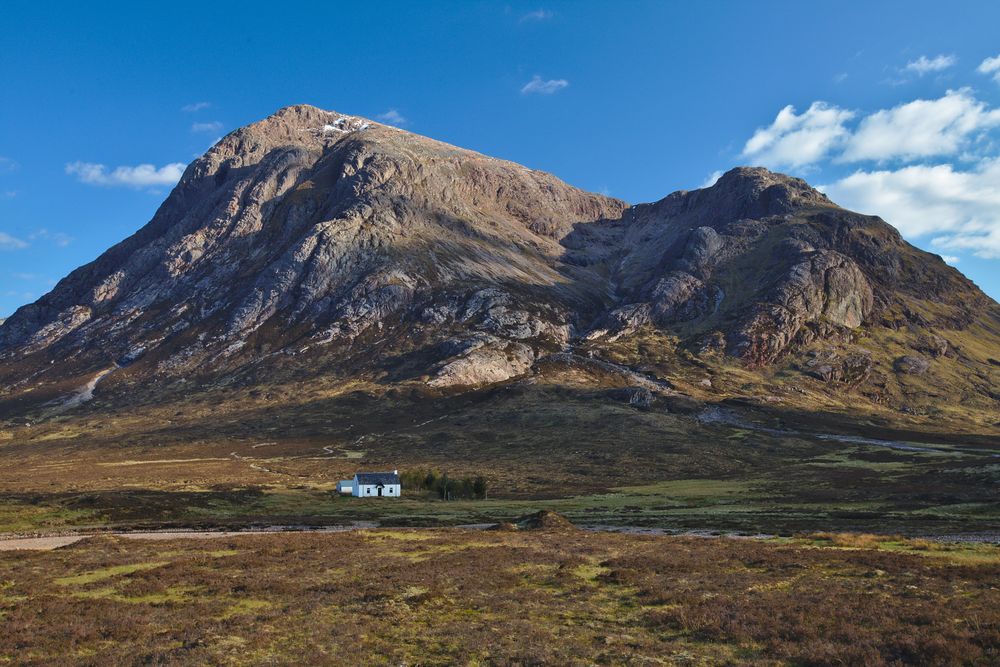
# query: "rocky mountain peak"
756,192
331,238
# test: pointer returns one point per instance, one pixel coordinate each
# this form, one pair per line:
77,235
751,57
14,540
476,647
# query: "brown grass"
449,596
850,540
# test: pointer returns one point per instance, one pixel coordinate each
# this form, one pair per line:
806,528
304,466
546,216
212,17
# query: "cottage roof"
377,478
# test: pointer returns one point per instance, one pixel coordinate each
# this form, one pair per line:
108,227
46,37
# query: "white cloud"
796,140
924,65
951,125
210,127
711,179
961,209
392,117
540,86
984,243
140,176
921,128
537,15
195,106
990,66
8,242
58,238
7,165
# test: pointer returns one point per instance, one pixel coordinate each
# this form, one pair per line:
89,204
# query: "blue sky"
892,107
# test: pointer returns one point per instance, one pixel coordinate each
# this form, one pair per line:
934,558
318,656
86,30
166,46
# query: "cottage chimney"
395,472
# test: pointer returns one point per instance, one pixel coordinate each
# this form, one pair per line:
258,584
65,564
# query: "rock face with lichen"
360,248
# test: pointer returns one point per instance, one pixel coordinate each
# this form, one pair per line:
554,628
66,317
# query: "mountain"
319,245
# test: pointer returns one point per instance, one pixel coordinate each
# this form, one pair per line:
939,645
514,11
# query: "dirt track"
55,541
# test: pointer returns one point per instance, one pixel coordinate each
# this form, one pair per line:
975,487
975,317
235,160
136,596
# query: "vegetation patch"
106,573
503,597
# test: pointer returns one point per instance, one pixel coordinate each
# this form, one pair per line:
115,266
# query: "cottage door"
379,489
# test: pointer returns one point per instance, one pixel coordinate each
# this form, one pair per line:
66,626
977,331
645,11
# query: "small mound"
544,520
503,526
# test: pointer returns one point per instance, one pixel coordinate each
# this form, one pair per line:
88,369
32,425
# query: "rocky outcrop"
639,397
824,286
933,345
761,258
911,364
485,360
829,366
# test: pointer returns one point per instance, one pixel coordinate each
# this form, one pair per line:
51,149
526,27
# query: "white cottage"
376,484
345,487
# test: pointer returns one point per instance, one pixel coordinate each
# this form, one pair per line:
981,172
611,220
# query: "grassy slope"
273,455
447,597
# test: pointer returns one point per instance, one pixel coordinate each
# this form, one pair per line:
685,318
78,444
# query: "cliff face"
357,248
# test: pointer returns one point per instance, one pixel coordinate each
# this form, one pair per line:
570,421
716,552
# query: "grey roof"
377,478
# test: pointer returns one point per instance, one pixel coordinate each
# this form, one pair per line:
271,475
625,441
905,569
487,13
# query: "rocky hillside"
318,243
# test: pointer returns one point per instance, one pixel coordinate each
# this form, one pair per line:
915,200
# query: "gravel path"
55,541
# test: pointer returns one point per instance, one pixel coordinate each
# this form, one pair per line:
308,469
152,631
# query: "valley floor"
203,462
447,596
440,595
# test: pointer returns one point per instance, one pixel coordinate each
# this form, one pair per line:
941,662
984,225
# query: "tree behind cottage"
443,486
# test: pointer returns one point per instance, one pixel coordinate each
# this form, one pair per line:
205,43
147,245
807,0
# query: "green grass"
829,492
107,573
957,553
690,488
245,607
18,517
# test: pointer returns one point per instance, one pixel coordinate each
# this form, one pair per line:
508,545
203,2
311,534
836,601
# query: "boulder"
911,364
639,397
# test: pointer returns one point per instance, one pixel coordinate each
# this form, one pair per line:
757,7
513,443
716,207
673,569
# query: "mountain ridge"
359,246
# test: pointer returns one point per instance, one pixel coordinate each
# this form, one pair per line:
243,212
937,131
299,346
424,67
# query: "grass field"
823,589
437,597
597,460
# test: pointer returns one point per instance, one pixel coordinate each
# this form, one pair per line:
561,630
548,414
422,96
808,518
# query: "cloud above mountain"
207,127
990,66
958,209
797,140
921,128
139,176
8,242
540,86
537,15
930,166
392,117
909,131
924,65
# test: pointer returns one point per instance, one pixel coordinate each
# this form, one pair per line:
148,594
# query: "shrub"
445,487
